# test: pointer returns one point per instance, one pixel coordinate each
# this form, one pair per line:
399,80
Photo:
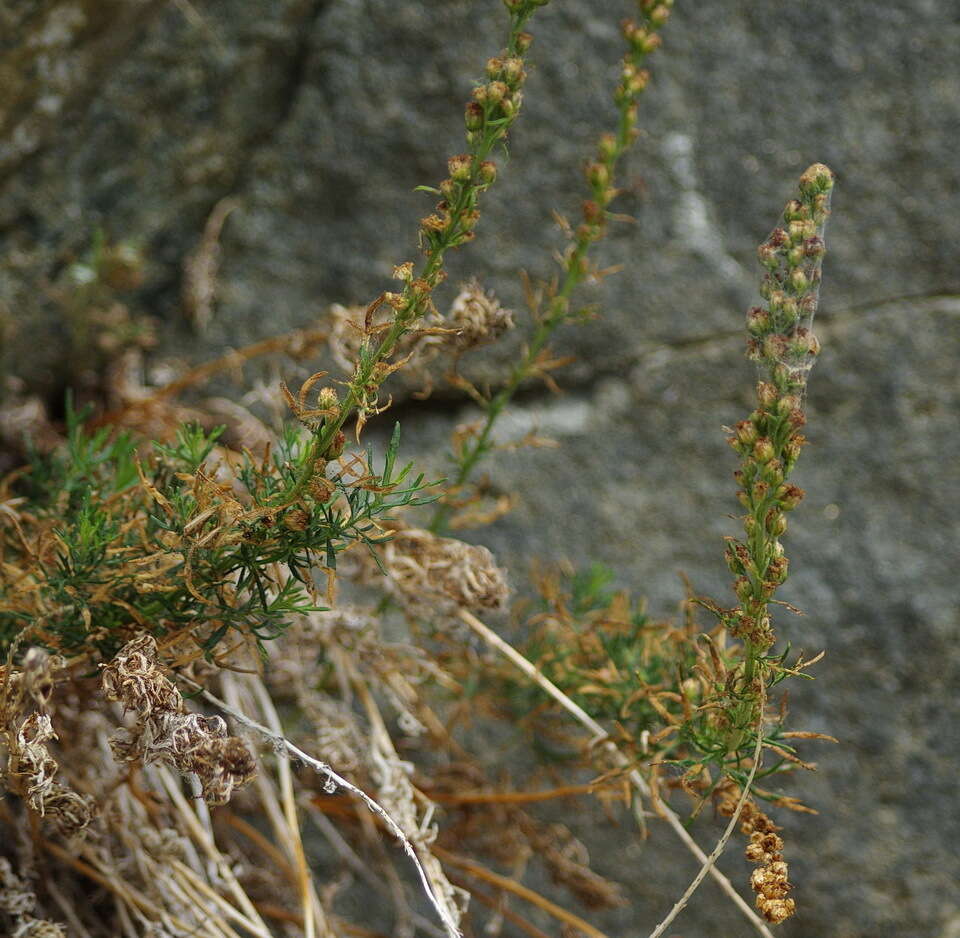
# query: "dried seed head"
437,573
478,317
165,732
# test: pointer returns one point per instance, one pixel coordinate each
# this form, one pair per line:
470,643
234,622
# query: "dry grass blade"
518,889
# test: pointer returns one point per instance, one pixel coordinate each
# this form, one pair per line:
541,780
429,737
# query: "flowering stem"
643,39
489,115
769,441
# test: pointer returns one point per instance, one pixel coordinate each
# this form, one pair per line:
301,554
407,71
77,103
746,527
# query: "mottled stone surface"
320,117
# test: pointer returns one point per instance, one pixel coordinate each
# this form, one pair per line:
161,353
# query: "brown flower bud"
768,256
488,172
523,42
296,519
659,14
598,175
763,450
790,496
460,166
766,394
775,522
473,116
513,72
758,320
799,281
795,210
496,91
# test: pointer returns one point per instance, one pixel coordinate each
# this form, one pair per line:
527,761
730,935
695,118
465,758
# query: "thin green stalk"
769,441
643,39
489,115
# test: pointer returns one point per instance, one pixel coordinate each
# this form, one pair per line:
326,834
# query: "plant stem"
600,174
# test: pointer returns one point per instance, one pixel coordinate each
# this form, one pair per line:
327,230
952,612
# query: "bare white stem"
282,744
708,864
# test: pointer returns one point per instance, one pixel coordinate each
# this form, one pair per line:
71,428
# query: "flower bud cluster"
780,336
769,440
642,39
493,107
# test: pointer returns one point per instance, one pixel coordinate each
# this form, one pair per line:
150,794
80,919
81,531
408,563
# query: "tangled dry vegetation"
232,673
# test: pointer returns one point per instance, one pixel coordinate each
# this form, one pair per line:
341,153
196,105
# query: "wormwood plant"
171,599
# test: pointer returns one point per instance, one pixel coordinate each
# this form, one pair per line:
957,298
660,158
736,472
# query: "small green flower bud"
598,175
774,347
789,312
494,67
799,281
460,166
773,472
816,179
523,42
795,210
767,286
775,522
513,71
821,208
488,172
767,394
787,404
758,320
792,449
510,107
496,91
659,14
797,230
789,496
768,255
746,432
743,588
607,147
777,299
795,255
763,450
473,116
743,498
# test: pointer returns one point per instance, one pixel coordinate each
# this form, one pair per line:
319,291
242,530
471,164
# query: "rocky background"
135,118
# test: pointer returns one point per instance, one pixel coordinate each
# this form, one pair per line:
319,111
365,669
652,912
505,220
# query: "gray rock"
320,117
